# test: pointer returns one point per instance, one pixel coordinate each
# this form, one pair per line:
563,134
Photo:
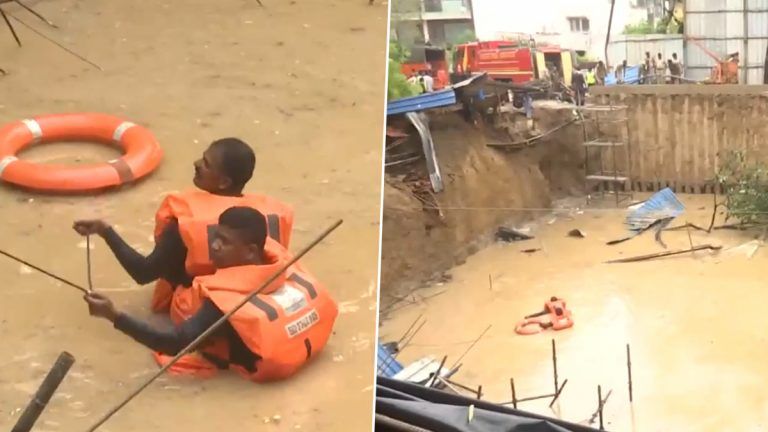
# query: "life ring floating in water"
142,153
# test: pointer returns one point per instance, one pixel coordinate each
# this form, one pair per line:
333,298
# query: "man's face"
228,249
208,173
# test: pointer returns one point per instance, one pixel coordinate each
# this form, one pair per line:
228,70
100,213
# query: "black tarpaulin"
422,408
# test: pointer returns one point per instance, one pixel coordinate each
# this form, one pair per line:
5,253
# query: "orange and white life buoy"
142,153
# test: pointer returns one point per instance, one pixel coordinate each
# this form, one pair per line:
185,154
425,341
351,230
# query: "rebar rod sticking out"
514,393
557,393
629,373
554,364
600,405
44,393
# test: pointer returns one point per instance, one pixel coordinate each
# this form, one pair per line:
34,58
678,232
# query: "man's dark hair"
248,222
674,56
237,160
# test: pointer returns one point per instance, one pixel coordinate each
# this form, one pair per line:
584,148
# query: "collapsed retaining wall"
677,133
484,188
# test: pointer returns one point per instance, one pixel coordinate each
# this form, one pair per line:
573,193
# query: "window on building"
579,24
433,6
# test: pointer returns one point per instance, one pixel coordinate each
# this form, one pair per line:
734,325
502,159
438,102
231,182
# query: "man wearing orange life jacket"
184,222
273,335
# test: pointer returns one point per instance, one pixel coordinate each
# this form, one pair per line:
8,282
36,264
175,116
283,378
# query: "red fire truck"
515,61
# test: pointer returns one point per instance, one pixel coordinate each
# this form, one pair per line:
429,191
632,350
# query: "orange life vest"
197,212
286,325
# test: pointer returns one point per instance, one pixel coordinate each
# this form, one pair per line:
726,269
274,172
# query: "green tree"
746,188
398,86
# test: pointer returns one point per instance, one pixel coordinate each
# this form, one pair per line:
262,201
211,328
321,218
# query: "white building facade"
580,25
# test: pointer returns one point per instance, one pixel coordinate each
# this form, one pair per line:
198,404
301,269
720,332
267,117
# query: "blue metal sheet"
663,204
422,102
631,76
387,365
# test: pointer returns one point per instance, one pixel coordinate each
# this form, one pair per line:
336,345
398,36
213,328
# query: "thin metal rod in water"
44,393
34,30
436,374
472,345
554,364
629,373
10,27
88,261
600,405
557,394
215,326
459,385
47,273
35,13
514,393
533,398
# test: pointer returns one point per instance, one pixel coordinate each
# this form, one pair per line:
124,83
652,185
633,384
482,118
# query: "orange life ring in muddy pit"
142,153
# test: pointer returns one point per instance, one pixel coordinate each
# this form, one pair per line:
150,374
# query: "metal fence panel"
724,27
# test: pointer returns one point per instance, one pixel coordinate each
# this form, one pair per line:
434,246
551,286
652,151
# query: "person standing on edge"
183,224
659,67
676,69
600,73
646,71
579,87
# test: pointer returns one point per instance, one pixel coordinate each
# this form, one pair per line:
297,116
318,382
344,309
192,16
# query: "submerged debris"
577,233
510,234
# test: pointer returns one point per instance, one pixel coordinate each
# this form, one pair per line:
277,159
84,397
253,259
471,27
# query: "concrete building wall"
548,20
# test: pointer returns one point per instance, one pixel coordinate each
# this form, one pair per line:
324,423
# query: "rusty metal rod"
436,374
600,405
514,393
35,13
528,399
215,326
629,373
554,363
10,27
557,395
44,393
472,345
479,392
461,386
42,35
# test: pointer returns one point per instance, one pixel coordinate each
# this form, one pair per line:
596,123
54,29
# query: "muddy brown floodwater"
303,83
696,324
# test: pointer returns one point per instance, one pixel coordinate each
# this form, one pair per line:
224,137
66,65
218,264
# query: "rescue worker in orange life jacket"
220,175
239,241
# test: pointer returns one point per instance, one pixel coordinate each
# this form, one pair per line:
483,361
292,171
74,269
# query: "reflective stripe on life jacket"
285,326
197,213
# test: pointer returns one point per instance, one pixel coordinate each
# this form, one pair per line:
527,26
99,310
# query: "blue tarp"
631,76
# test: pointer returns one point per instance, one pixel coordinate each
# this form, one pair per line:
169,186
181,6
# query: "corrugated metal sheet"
422,102
632,48
724,26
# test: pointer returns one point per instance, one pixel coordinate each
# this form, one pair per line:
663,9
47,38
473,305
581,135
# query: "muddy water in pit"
696,325
193,71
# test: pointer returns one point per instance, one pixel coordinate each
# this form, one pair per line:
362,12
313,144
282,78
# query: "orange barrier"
142,153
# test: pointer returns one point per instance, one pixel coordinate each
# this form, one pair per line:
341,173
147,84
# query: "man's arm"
168,341
143,269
